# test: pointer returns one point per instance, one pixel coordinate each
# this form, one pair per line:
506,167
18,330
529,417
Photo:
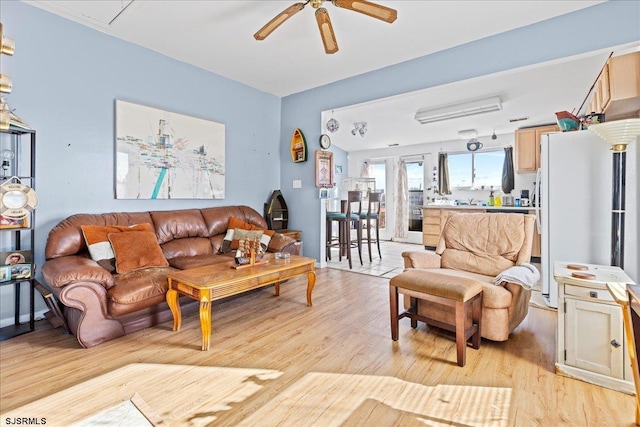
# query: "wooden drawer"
430,212
430,240
588,293
431,220
432,230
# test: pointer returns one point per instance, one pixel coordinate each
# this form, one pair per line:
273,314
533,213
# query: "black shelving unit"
22,143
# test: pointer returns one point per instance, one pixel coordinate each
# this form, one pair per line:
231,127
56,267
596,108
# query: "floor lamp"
618,134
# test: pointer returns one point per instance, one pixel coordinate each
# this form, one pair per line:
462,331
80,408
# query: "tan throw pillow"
136,250
98,243
230,241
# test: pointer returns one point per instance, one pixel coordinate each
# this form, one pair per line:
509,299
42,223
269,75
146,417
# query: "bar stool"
372,215
345,220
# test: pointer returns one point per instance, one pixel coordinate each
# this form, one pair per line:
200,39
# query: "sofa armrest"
422,259
60,272
281,243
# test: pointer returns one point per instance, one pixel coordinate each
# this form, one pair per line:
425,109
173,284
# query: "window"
477,169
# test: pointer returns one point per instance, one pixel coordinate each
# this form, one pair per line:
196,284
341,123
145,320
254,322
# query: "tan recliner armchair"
480,246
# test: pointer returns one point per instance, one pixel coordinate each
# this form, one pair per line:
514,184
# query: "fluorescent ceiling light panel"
455,111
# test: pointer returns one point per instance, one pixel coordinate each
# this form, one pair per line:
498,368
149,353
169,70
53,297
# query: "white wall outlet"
297,183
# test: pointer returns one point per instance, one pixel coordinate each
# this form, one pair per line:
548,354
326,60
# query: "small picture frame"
338,169
20,271
6,222
16,257
5,273
324,169
325,193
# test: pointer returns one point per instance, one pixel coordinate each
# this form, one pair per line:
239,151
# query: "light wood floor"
345,332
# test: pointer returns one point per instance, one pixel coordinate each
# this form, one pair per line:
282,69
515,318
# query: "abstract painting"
165,155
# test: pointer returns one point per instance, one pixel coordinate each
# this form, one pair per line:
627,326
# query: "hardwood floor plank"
346,332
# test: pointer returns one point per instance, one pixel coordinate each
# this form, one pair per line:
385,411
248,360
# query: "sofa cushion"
187,262
100,249
136,250
473,243
230,242
188,246
178,224
137,289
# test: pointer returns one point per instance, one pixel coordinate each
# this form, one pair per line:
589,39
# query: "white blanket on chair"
525,275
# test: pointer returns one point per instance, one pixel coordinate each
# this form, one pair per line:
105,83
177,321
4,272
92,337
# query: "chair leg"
347,241
369,239
329,232
378,238
414,310
393,310
359,238
461,342
476,318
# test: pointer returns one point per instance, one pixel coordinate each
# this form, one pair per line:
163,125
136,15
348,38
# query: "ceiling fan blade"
371,9
278,20
326,31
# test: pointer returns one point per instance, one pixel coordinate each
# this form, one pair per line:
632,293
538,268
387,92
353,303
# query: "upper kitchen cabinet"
527,151
617,90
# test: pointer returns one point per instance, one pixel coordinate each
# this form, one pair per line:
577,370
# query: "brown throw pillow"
98,243
136,250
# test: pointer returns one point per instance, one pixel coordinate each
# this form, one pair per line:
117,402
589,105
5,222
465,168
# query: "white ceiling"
218,36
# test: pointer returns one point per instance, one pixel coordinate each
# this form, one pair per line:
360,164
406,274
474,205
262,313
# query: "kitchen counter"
485,208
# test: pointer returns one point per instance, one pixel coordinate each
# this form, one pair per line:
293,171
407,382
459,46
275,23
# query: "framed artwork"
338,169
165,155
324,169
13,223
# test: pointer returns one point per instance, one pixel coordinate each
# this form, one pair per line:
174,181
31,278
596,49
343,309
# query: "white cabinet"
590,338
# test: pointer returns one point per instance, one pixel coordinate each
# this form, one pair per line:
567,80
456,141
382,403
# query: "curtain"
443,174
402,194
365,172
507,171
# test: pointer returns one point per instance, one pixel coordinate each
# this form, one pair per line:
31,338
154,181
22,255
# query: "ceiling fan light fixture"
278,20
326,31
367,8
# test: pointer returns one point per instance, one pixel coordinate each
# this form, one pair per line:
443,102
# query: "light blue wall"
601,26
66,78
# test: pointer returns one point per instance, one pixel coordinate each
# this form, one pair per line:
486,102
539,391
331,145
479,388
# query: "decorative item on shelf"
298,146
8,118
16,199
591,119
6,156
567,121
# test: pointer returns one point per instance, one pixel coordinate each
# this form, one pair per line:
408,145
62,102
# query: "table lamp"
618,134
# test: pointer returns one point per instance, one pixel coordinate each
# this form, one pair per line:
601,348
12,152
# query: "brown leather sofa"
100,306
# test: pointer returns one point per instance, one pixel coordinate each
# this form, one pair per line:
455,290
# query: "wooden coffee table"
217,281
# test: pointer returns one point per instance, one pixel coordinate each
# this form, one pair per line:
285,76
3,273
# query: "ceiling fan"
322,16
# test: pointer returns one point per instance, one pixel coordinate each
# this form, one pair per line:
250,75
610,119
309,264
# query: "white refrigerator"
574,214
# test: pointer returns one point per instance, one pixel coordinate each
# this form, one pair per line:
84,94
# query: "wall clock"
325,141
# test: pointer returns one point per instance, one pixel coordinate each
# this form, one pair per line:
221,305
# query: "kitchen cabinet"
527,150
591,345
617,91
